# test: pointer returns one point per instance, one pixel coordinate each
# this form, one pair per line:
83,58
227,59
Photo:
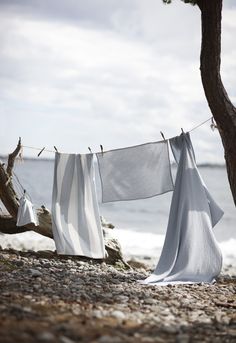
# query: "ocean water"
140,225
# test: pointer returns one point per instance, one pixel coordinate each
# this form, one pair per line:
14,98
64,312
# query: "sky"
77,73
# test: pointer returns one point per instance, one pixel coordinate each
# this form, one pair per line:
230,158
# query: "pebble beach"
50,298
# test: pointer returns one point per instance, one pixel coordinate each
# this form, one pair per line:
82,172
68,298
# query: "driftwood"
10,200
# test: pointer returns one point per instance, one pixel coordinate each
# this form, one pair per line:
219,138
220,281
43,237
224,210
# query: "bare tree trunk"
221,107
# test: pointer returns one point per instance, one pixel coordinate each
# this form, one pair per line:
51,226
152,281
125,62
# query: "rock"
99,303
118,315
121,298
76,309
98,314
108,339
137,264
150,301
170,329
182,338
63,339
35,273
46,337
113,249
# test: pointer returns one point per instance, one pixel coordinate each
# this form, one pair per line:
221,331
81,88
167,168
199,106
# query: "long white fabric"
75,217
190,253
26,214
137,172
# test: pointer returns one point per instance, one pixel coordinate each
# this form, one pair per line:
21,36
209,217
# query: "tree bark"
221,107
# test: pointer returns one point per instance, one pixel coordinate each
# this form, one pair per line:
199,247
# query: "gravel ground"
46,298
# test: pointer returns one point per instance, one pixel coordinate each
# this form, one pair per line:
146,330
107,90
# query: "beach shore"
46,298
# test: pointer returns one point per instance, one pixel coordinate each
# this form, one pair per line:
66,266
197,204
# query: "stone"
182,338
63,339
121,298
150,301
35,273
108,339
118,315
46,337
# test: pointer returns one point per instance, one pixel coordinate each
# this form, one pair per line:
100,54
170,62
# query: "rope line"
19,185
204,122
34,148
39,149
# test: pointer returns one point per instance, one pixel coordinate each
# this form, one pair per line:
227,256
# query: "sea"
140,225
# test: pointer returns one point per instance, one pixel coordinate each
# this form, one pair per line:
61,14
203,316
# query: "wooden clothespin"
55,148
41,152
89,149
162,135
101,147
213,124
182,131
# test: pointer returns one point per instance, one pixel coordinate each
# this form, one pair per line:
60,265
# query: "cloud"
77,74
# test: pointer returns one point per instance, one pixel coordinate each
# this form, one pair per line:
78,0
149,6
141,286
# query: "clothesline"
53,151
189,230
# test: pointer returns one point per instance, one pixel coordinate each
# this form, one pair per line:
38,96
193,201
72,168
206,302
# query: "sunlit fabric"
137,172
26,214
75,217
190,252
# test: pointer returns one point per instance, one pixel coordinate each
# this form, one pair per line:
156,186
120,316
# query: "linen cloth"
190,253
136,172
75,217
26,214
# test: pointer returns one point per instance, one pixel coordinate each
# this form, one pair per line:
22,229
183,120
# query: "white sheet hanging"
137,172
190,252
26,214
75,217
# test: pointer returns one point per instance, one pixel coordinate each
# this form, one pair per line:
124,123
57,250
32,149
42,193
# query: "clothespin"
213,125
55,148
162,135
40,152
89,149
101,147
24,191
182,130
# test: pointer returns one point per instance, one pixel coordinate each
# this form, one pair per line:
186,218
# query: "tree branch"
12,157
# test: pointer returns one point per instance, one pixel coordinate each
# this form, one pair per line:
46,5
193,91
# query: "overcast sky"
77,73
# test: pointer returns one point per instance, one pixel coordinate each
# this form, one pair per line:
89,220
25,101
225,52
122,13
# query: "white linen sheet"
190,253
137,172
75,217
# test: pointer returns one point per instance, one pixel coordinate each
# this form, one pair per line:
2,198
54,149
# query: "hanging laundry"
137,172
26,214
75,217
190,253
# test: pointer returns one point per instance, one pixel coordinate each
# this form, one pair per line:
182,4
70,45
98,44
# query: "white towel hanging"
26,214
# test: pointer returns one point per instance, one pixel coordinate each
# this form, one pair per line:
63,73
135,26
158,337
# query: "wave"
145,244
133,243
